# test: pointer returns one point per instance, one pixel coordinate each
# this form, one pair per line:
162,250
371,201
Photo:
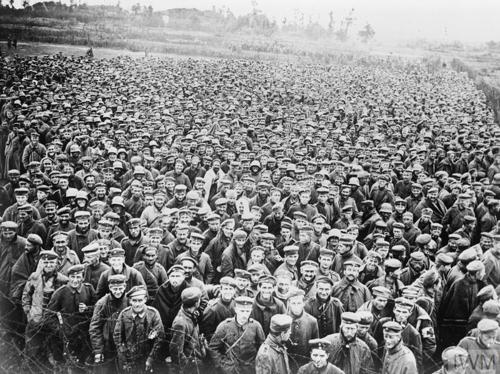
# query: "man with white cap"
138,333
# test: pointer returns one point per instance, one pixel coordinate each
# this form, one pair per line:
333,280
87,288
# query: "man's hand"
149,365
82,307
98,358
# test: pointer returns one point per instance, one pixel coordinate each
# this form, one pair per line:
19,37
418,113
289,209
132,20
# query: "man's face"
351,272
487,338
195,245
91,258
349,330
391,339
182,235
159,200
304,198
227,292
82,222
323,290
401,314
319,358
116,262
176,278
379,303
296,305
362,330
188,269
138,303
150,257
432,195
134,231
8,234
228,230
104,231
21,199
117,290
304,237
75,280
266,290
309,274
49,266
213,225
243,313
407,221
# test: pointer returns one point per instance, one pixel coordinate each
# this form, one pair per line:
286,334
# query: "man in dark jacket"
235,343
219,309
70,309
349,353
187,347
118,266
325,308
265,304
102,324
138,333
304,328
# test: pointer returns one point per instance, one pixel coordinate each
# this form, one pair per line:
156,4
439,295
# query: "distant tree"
331,23
367,33
136,8
11,3
150,11
26,4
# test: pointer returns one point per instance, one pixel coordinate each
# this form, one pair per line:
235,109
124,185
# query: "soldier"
94,266
138,333
307,281
378,305
351,292
36,295
102,324
82,235
11,249
291,254
483,350
118,266
325,308
133,241
325,262
455,361
320,349
67,257
304,328
152,272
204,270
364,325
235,343
71,309
348,352
187,347
272,357
265,304
219,309
397,357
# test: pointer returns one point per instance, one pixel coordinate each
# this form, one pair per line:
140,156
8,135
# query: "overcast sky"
464,20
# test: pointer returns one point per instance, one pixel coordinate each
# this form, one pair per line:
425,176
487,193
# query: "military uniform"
132,337
304,328
73,324
185,348
272,357
326,313
399,360
102,325
352,357
311,369
216,312
233,347
352,295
